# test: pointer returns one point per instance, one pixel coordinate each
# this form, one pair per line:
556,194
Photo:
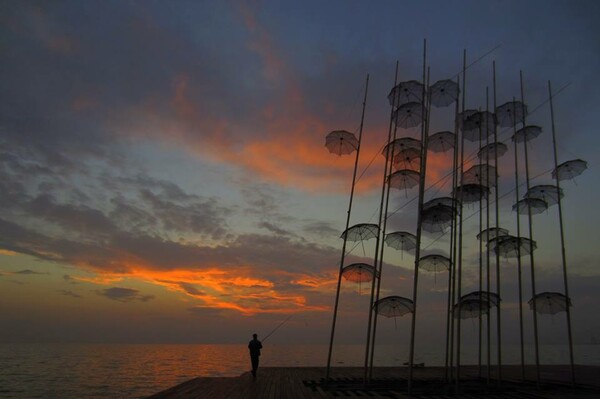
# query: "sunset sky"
163,175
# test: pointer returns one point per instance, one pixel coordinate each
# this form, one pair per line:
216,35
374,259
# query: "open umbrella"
550,302
510,113
401,144
491,233
404,179
441,142
394,306
358,273
436,218
360,232
526,133
569,169
443,92
341,142
537,206
447,201
546,192
478,125
409,158
434,263
409,115
511,246
469,193
489,151
405,92
494,299
482,174
470,308
401,240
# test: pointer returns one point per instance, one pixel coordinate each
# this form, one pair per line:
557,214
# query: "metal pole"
498,306
519,265
339,282
487,226
452,250
460,229
562,238
422,172
531,257
389,160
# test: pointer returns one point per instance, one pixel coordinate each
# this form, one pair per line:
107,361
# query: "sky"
164,177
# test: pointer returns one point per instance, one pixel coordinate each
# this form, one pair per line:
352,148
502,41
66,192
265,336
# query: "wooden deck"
389,382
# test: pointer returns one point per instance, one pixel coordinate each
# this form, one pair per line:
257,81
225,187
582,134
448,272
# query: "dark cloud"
275,229
69,293
28,272
124,294
321,229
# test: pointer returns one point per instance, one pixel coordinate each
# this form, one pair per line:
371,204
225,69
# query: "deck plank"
388,382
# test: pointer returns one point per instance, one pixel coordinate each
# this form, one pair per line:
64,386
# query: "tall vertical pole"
460,227
389,160
487,226
498,306
519,263
339,282
562,238
480,255
531,257
452,250
422,172
377,242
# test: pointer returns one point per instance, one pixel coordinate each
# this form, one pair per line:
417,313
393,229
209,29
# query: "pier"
390,382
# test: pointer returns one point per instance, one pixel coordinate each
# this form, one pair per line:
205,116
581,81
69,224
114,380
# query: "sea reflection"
70,371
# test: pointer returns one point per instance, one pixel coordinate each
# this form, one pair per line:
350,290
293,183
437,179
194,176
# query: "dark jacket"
255,346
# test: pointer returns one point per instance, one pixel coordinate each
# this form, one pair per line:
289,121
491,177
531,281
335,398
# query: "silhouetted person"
255,346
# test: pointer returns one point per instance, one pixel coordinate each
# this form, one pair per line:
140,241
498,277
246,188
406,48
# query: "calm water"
70,371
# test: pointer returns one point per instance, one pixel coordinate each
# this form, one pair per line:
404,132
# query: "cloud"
69,293
124,294
28,272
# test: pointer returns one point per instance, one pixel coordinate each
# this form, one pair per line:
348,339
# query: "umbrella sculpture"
569,170
436,218
491,150
510,113
550,302
469,193
401,144
536,205
361,232
441,142
491,233
405,92
470,308
404,179
394,306
401,240
482,174
341,142
494,299
526,133
358,273
478,125
448,201
443,92
511,246
546,192
409,158
409,115
434,263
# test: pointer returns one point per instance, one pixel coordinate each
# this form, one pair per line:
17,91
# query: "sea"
86,371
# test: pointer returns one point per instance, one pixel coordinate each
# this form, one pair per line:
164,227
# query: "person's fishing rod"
277,328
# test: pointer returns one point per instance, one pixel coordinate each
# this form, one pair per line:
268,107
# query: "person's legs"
254,365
